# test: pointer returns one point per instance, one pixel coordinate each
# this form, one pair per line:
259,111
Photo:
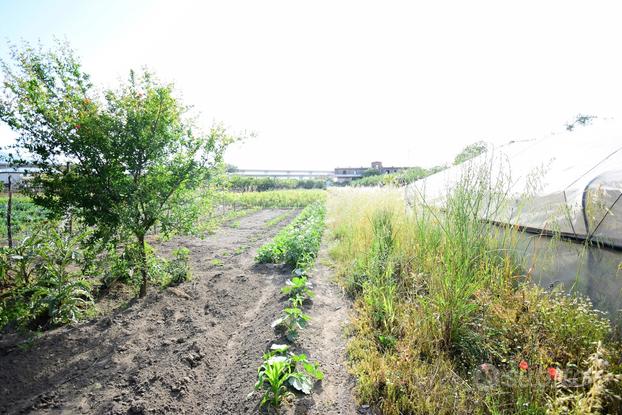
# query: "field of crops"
443,322
271,199
25,214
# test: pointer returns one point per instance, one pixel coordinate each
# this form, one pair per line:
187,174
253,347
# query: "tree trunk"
143,265
9,208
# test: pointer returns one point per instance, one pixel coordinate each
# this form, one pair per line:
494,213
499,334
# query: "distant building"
346,174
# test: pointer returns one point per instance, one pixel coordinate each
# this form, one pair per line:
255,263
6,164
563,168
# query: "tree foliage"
120,160
371,172
240,183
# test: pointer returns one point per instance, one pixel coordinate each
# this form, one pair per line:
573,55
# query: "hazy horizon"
333,84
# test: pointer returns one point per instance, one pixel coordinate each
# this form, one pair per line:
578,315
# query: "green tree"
122,161
371,172
470,151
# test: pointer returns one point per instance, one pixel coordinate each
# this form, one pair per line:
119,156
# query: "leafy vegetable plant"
292,320
298,286
281,369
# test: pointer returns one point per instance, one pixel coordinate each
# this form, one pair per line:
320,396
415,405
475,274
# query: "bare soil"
324,341
191,349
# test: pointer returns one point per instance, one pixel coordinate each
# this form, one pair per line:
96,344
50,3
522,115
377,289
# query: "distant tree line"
239,183
373,177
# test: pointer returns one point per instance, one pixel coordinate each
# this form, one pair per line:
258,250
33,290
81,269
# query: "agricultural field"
250,317
195,325
25,214
140,278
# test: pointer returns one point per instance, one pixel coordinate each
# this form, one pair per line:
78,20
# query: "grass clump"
447,322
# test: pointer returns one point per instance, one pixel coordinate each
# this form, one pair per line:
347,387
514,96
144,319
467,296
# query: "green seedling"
217,262
303,380
292,320
297,300
298,286
282,368
272,376
240,250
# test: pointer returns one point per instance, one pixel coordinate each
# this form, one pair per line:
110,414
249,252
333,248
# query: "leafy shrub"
178,269
298,286
47,287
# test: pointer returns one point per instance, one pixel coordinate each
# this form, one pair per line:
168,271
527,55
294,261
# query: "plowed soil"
192,349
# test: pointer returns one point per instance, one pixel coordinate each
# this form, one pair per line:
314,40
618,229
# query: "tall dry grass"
445,315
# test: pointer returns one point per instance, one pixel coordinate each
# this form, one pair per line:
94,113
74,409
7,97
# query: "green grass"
441,309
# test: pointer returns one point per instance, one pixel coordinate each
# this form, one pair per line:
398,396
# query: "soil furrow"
191,349
324,341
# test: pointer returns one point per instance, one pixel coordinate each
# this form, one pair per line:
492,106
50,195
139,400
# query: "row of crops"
282,369
55,273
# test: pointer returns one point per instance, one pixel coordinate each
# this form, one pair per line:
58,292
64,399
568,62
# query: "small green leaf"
301,383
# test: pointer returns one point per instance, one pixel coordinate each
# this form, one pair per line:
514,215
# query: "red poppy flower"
78,126
552,373
523,365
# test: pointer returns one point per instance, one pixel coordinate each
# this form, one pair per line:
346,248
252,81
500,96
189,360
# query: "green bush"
400,178
178,269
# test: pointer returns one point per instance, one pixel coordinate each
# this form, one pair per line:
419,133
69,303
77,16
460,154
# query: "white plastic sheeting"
568,183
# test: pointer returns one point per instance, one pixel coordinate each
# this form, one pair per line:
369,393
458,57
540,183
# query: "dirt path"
324,341
188,350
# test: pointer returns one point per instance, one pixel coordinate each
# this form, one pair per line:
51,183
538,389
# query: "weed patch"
447,322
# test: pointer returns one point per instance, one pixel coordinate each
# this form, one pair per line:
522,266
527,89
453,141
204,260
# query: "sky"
343,83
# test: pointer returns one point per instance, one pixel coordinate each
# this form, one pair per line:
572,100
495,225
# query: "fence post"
9,208
69,217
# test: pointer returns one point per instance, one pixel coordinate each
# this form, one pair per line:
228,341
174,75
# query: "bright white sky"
333,83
